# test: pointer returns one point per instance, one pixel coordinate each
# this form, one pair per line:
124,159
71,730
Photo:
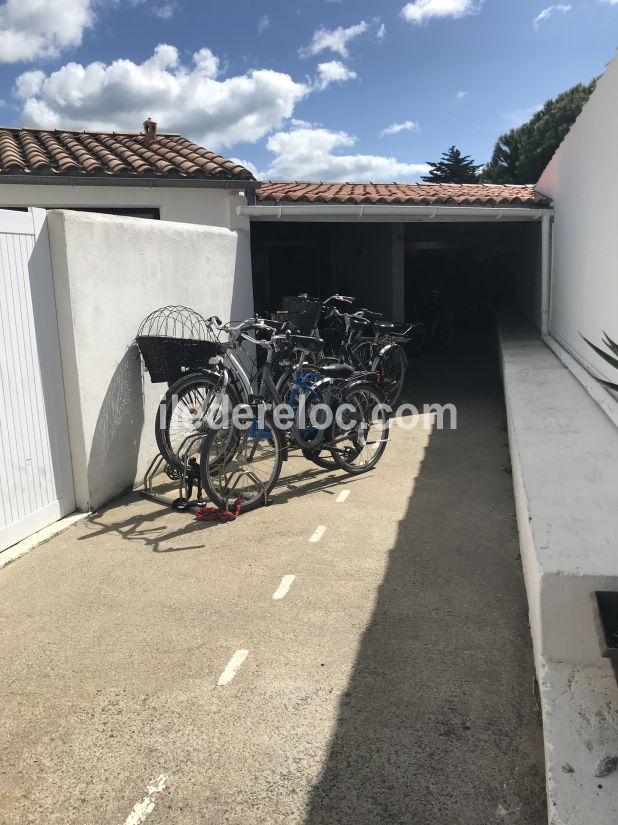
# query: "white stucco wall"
201,205
109,273
582,180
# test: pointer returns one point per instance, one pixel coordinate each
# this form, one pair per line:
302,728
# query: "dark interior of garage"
404,270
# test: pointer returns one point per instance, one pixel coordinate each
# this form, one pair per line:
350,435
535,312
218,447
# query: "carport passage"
389,266
391,684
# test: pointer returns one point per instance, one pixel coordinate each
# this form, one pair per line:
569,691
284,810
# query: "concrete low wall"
109,273
564,454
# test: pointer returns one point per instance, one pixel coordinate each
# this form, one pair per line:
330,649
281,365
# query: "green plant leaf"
610,344
604,355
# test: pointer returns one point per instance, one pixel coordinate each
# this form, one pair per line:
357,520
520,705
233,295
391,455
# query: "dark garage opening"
395,267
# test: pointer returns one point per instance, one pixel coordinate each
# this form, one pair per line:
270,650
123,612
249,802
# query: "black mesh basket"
175,340
302,313
167,359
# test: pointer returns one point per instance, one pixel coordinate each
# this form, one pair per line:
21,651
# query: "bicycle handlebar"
344,299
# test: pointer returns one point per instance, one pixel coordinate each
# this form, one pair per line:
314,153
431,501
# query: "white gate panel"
36,483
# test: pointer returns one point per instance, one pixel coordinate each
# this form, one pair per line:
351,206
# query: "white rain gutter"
546,271
390,212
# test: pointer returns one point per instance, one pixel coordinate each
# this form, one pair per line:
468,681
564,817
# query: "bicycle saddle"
371,315
335,370
357,321
385,325
306,342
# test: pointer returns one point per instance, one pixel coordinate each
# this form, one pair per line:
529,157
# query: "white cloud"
549,11
190,98
334,40
263,24
461,94
420,11
333,72
34,29
310,154
164,10
396,128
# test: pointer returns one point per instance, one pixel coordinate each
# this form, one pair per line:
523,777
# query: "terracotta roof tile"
412,194
110,154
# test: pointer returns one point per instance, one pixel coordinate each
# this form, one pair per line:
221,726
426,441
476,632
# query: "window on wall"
151,213
129,212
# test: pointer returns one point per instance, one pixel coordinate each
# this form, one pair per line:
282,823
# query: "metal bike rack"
158,465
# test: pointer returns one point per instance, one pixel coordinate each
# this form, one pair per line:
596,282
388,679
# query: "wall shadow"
438,725
113,461
43,299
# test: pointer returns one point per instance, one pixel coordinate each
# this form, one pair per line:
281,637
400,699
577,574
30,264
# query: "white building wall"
582,181
202,205
109,273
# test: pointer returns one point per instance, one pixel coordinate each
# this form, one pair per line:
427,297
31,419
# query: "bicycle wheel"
241,465
392,367
360,434
184,412
362,355
321,458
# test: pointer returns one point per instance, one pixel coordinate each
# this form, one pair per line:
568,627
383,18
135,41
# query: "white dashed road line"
145,807
342,496
233,666
282,590
318,534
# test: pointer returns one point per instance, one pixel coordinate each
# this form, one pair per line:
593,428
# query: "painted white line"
282,590
318,534
233,666
145,807
342,496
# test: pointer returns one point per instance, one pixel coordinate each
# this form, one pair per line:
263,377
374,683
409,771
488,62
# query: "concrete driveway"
392,682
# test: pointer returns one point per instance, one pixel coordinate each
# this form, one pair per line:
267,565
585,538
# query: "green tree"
453,167
521,155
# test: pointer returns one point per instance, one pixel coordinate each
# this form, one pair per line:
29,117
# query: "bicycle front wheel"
361,429
185,413
391,365
242,464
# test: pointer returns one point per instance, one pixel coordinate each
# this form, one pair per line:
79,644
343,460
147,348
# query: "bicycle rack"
158,464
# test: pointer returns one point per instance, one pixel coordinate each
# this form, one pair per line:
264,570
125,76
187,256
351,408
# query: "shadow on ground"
438,725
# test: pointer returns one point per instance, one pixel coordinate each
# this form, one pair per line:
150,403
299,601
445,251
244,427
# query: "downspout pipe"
546,268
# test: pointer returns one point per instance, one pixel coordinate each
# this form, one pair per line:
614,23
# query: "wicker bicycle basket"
302,313
173,341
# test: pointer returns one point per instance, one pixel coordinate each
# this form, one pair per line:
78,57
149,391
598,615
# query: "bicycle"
243,463
199,398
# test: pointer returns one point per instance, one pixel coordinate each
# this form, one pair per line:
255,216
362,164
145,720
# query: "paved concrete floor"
392,684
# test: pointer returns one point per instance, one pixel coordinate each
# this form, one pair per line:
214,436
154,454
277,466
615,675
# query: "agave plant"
611,357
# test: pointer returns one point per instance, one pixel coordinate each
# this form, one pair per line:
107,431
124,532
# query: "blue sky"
304,90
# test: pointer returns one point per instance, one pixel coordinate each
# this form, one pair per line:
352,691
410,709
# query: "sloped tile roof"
412,194
40,152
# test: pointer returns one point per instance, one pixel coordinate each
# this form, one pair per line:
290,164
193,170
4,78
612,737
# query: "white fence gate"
36,482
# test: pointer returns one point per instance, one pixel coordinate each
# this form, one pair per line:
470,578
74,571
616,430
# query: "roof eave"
87,180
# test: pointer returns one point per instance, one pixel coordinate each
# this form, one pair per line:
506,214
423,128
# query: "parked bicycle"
351,423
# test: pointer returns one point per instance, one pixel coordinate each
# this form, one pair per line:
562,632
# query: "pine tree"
453,167
521,155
